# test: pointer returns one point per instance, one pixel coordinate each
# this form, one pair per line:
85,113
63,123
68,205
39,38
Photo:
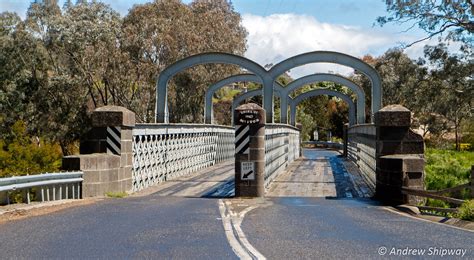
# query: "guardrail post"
106,153
249,150
399,156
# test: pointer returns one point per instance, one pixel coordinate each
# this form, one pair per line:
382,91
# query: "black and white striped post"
249,150
113,140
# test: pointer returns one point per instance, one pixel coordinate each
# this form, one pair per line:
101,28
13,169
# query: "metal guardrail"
165,151
51,186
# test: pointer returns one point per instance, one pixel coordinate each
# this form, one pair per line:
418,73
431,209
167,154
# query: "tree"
23,70
67,4
157,34
452,83
456,18
61,100
404,82
328,113
58,66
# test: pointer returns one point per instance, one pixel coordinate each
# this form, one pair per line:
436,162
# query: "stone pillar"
345,140
249,151
106,152
399,156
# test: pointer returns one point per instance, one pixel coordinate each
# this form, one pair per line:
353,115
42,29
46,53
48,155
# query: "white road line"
232,221
243,239
229,233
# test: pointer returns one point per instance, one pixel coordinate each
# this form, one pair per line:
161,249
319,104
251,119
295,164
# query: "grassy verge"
446,169
116,194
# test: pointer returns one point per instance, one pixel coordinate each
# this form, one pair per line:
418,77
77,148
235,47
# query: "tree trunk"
64,148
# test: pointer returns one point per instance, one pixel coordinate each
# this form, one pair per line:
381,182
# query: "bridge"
248,190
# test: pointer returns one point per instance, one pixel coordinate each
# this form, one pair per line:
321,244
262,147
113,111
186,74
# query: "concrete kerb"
450,222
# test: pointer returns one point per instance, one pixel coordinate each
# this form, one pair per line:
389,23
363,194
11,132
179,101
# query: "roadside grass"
447,169
119,195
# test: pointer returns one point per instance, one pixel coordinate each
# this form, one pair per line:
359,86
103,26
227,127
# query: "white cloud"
276,37
18,6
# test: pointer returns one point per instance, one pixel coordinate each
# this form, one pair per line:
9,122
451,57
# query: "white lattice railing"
282,146
166,151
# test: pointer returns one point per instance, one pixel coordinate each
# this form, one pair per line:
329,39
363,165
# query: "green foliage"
466,211
307,122
56,66
436,203
24,154
447,168
322,112
454,18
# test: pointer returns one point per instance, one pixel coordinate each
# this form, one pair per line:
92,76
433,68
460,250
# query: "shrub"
447,168
466,211
24,154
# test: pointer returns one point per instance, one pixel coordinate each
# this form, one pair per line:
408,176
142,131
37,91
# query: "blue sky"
279,29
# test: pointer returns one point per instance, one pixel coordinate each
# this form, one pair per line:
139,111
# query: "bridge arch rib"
208,107
204,58
337,58
319,92
320,77
267,77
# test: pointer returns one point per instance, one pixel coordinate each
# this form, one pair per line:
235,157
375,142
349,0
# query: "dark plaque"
249,117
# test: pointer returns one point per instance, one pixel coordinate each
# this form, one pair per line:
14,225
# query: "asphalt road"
170,227
309,228
152,227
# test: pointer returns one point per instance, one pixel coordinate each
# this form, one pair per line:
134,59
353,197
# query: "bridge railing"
165,151
282,146
47,186
361,149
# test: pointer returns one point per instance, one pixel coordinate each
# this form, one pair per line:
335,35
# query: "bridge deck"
215,181
320,173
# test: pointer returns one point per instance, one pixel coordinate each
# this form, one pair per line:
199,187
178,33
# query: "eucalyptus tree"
454,19
159,33
452,83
